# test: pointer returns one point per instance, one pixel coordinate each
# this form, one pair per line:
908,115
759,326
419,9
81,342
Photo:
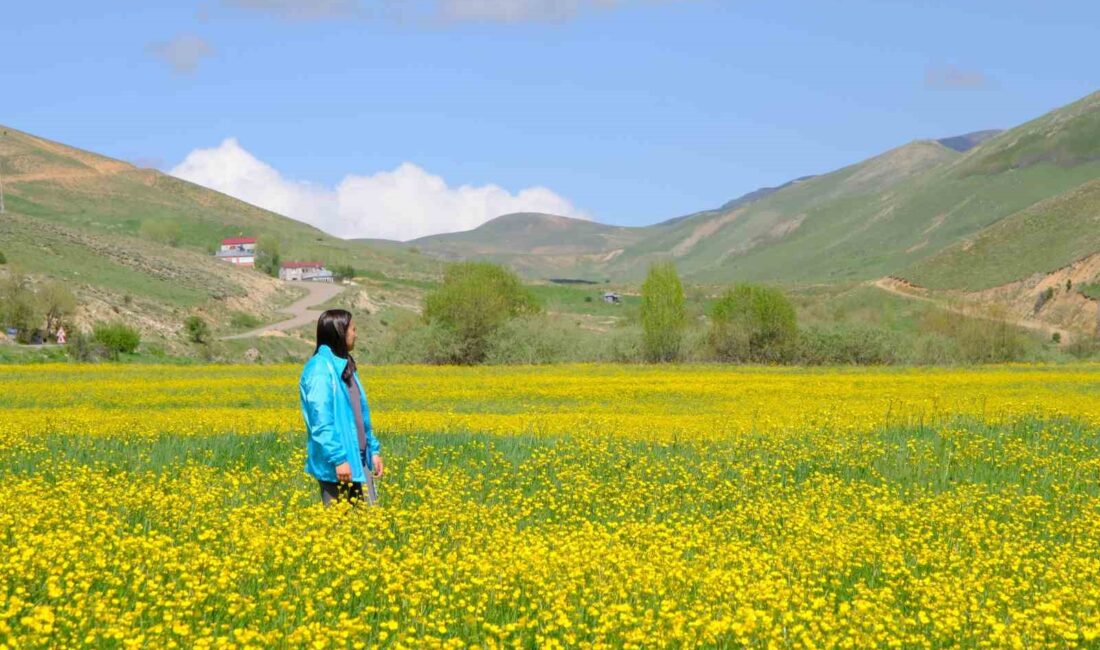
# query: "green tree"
19,306
56,303
3,260
752,323
197,329
474,301
163,231
116,338
662,313
267,255
343,272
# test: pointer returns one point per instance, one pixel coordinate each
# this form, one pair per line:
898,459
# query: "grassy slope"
1042,238
94,194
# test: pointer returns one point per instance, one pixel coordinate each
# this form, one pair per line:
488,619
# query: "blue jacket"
330,422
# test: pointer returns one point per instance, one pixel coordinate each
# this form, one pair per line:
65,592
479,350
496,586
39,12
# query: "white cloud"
402,204
183,53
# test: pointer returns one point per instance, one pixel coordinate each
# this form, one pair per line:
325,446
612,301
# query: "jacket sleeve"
372,442
317,400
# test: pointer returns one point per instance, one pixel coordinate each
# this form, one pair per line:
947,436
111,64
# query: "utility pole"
2,181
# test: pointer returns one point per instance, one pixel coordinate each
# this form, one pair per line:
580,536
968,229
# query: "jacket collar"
338,363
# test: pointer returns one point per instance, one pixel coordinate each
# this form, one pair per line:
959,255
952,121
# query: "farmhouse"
238,250
304,272
612,298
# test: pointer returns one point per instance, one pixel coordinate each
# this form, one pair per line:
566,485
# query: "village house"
304,272
238,250
612,298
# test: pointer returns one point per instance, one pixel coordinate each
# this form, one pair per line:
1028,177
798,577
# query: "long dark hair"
332,329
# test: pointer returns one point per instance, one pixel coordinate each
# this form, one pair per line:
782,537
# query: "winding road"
300,310
888,285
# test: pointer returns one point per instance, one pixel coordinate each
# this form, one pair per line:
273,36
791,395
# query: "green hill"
137,243
892,214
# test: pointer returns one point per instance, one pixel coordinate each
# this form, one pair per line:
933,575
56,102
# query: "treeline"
482,313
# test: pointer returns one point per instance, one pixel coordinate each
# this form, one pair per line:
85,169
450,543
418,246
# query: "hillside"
135,243
891,214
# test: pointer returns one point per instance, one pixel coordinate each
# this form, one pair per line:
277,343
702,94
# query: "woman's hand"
343,472
376,462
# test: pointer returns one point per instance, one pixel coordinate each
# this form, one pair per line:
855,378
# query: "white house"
238,250
304,272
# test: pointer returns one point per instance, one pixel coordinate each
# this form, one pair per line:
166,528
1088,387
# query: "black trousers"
351,492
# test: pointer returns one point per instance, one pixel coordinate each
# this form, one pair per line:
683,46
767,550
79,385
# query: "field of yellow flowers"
562,506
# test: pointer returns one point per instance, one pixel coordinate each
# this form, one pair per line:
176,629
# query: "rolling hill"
912,210
98,224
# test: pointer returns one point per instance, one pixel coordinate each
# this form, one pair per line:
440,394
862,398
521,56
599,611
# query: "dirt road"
300,311
890,285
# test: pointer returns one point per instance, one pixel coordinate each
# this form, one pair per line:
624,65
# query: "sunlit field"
566,506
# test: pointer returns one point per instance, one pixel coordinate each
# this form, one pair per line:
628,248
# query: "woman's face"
349,336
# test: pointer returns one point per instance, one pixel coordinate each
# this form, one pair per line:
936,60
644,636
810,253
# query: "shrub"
662,313
196,328
82,347
841,344
117,338
3,260
751,323
343,272
474,301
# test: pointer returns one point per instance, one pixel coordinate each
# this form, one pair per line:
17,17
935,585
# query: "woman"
342,452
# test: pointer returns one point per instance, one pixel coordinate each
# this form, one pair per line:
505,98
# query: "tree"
343,272
3,260
163,231
662,313
19,307
474,301
197,329
57,303
117,338
752,323
267,255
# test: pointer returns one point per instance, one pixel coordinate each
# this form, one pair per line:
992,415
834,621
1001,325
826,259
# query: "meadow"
591,506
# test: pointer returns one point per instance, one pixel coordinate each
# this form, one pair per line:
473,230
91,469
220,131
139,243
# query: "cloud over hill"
404,203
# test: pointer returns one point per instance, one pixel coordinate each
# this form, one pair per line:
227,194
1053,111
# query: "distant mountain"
967,141
891,214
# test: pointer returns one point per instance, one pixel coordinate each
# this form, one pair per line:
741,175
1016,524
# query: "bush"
196,328
82,347
117,338
343,272
3,260
978,340
751,323
534,339
840,344
473,302
662,313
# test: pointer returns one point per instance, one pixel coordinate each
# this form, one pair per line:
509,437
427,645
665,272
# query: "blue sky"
358,115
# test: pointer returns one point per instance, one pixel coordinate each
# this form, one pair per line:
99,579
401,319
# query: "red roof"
239,240
302,265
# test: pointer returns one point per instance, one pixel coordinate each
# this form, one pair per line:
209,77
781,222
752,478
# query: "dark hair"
332,329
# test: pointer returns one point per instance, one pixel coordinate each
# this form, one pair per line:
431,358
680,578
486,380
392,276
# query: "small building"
612,298
238,250
304,272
